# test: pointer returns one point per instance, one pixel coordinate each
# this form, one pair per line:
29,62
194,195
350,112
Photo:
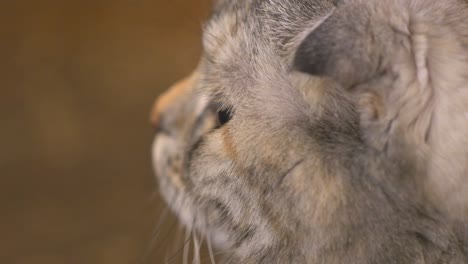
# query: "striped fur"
347,139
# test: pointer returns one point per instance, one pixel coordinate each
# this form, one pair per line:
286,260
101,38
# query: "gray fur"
361,158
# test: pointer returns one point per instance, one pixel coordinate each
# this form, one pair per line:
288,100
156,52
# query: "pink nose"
169,97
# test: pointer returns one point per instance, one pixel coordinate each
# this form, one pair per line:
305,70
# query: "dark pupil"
223,116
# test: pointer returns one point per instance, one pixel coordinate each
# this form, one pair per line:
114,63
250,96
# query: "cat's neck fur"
422,97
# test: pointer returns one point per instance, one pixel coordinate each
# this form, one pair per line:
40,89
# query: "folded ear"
344,47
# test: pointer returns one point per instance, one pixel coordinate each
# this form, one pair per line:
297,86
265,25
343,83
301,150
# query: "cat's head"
260,149
239,141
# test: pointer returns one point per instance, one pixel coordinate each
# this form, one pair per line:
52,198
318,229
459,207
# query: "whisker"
187,246
178,243
168,260
154,236
196,248
157,229
165,238
210,249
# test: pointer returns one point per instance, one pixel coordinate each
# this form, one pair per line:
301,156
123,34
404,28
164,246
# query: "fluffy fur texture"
347,139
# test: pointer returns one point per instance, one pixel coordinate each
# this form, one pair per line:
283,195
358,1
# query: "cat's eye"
224,115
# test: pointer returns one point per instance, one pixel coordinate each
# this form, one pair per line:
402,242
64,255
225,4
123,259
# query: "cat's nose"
164,101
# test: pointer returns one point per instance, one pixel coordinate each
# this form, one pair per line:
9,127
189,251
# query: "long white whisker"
196,248
170,259
210,249
187,246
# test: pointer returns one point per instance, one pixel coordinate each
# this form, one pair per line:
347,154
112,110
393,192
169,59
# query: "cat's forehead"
223,25
244,38
278,20
225,48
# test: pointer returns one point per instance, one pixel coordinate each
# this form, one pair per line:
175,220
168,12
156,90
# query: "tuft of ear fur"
347,46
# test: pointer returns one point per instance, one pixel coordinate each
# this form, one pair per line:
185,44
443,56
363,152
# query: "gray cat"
323,132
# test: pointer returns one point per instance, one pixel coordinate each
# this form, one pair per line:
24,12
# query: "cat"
323,132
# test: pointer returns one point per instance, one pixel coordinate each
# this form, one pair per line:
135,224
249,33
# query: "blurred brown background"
77,79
